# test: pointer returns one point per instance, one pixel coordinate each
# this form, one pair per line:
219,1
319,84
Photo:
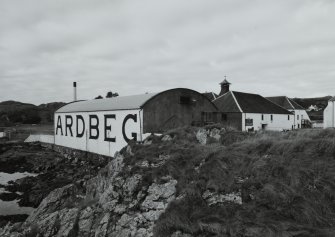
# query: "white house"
329,114
252,112
301,118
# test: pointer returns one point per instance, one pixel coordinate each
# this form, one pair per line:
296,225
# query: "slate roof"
210,95
285,102
234,101
114,103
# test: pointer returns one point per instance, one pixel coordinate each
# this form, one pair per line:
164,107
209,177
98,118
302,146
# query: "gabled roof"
210,95
285,102
234,101
114,103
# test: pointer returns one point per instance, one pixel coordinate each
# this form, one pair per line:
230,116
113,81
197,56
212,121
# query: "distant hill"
14,112
319,102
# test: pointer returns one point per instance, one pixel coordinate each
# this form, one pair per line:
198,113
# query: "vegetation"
13,112
286,182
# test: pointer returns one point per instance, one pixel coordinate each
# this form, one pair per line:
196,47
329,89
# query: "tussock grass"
286,181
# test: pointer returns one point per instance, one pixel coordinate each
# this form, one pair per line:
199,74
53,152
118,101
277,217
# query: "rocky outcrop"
110,204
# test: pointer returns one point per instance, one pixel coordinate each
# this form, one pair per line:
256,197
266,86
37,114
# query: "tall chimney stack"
74,91
224,86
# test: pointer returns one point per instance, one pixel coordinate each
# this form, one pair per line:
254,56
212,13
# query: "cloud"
130,47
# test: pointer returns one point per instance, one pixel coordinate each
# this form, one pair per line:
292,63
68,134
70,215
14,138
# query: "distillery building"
252,112
104,126
301,118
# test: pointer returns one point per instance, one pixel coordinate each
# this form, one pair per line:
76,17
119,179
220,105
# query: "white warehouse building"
329,114
105,126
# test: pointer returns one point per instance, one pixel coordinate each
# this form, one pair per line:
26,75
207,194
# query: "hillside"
197,182
14,112
319,102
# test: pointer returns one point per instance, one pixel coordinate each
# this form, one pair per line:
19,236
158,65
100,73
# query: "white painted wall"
329,115
317,125
280,122
99,145
299,115
41,138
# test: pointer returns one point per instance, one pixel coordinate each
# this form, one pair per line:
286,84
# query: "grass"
286,180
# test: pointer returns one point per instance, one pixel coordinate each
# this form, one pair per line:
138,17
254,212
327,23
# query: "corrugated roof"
285,102
249,103
114,103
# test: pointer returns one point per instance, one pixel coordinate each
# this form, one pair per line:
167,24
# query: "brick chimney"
224,87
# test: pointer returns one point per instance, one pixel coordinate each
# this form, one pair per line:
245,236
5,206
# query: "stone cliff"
200,182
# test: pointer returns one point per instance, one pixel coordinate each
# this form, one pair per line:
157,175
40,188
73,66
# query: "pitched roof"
234,101
114,103
225,82
285,102
210,95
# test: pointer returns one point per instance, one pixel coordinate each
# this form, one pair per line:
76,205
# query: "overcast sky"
269,47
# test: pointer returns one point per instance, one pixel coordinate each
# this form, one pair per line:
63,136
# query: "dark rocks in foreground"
55,169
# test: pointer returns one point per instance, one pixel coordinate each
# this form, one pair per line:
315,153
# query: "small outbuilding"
104,126
251,112
329,114
301,118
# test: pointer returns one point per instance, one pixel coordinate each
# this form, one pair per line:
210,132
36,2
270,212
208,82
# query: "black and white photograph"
167,118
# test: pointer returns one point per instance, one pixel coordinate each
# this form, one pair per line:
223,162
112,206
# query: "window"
271,117
262,116
298,117
224,117
249,122
288,117
302,117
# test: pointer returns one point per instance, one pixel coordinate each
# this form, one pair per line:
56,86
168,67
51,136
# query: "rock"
180,234
85,222
153,215
215,198
147,142
166,138
128,150
157,193
68,220
58,199
102,229
201,136
131,184
215,133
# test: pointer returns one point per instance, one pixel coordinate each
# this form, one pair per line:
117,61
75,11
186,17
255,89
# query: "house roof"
114,103
234,101
332,99
210,95
285,102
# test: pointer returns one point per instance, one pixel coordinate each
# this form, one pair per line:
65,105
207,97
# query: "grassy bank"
286,182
